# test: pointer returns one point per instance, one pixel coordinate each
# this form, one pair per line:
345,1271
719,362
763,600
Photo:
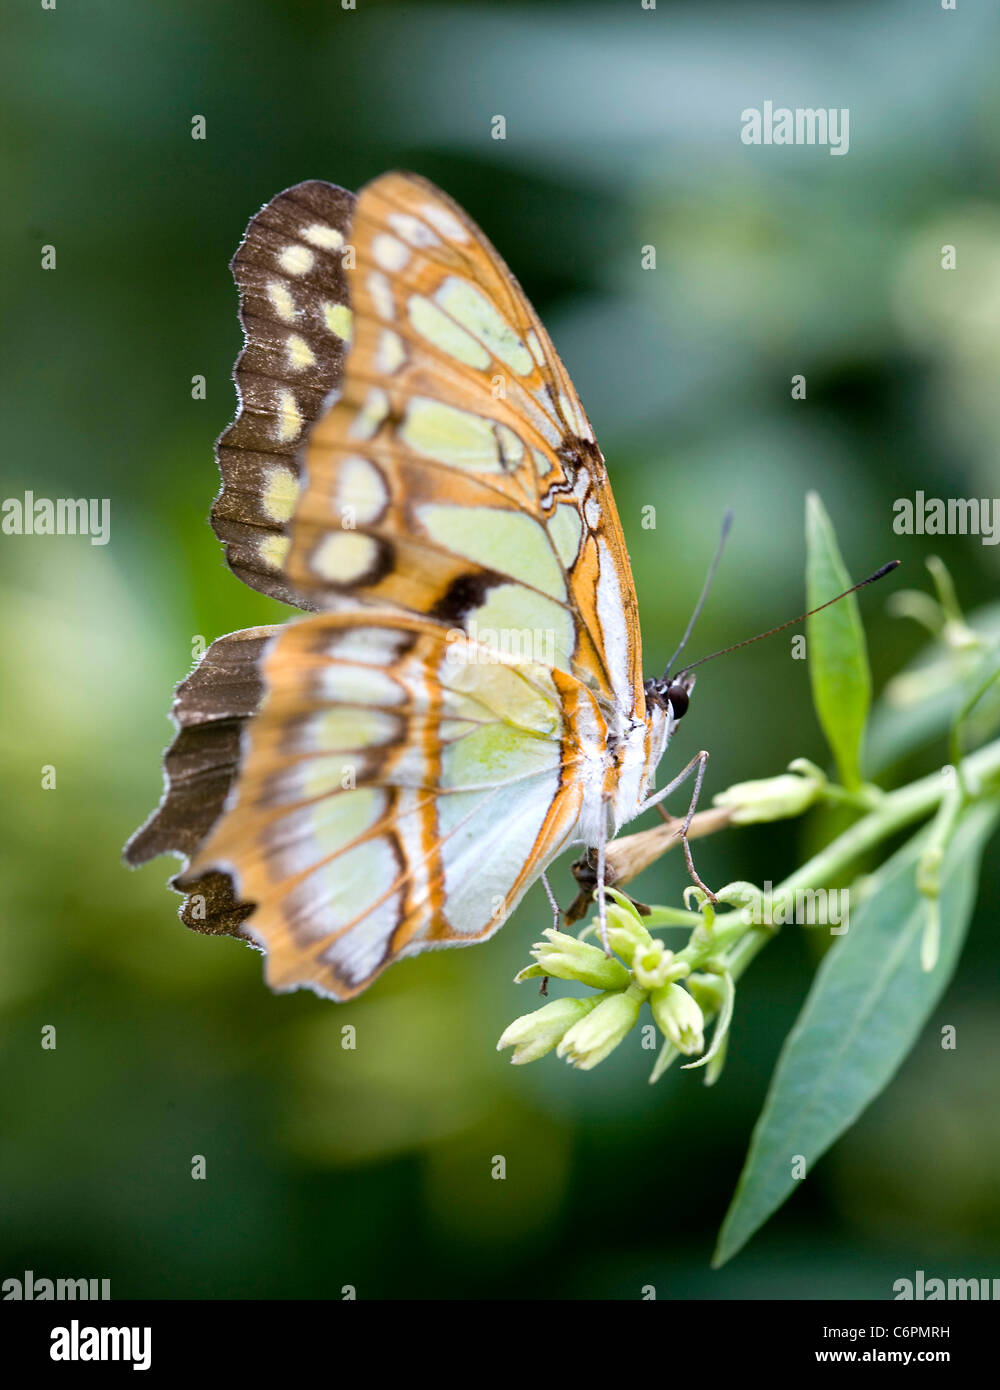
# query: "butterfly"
410,465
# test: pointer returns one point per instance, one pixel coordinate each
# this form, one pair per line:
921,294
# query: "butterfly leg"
556,909
602,902
702,761
699,761
556,923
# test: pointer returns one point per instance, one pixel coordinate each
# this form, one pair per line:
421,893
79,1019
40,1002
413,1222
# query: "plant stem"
897,809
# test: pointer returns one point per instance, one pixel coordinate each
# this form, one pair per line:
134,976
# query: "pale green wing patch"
401,789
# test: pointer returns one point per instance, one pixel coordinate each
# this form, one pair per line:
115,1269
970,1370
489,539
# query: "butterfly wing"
456,475
211,708
454,502
399,791
296,319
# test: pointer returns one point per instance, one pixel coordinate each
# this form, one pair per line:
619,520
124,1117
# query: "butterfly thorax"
621,758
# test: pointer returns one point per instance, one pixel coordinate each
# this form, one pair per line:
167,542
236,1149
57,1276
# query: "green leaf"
838,659
983,684
867,1005
920,704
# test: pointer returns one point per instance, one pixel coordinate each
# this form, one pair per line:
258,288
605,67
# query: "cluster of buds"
642,970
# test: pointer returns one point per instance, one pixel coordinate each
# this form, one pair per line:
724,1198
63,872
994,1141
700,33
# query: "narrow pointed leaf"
838,658
920,703
867,1005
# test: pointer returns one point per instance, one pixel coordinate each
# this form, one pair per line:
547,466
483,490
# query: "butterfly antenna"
879,574
727,522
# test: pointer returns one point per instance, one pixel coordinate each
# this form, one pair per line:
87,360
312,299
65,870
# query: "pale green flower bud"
626,933
533,1035
589,1041
679,1018
773,798
567,958
654,966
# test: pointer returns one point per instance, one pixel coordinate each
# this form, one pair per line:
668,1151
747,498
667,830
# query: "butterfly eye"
679,697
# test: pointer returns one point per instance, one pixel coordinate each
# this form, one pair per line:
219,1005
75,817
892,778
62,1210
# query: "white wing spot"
296,260
326,238
281,492
273,550
377,646
536,347
411,229
300,355
281,300
381,293
446,222
390,253
343,684
361,486
543,420
390,353
337,318
289,417
344,557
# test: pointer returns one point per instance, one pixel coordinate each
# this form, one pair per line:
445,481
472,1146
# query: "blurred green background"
371,1167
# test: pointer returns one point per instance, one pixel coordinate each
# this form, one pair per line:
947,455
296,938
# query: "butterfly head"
672,694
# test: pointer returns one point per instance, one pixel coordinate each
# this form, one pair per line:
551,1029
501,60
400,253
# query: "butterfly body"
411,461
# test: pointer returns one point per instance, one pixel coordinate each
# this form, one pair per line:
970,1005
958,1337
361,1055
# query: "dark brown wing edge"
250,449
209,712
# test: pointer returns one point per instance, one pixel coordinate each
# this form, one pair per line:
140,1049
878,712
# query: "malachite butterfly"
411,465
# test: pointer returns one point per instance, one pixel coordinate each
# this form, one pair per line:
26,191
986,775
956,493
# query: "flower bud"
773,798
533,1035
589,1041
567,958
679,1018
655,966
626,933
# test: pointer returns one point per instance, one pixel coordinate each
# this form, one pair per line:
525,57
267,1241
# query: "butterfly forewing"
457,475
296,316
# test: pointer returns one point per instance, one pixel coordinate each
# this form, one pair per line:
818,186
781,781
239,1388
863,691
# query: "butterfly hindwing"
296,318
401,789
210,711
